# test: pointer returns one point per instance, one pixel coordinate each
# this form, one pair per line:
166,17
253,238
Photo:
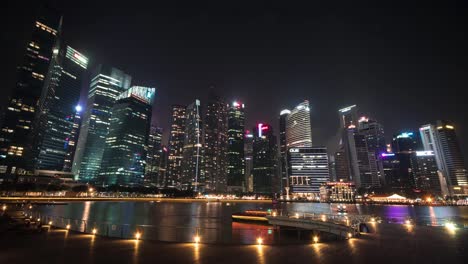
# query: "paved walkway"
388,244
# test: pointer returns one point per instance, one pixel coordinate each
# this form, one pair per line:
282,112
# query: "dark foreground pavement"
388,244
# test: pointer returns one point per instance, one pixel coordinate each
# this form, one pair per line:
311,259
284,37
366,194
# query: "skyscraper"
153,157
284,181
348,116
215,148
264,160
308,168
442,140
192,173
374,133
298,129
235,154
406,142
123,161
15,135
73,140
57,109
424,171
248,154
176,146
107,84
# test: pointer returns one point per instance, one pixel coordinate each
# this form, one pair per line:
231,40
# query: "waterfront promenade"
388,243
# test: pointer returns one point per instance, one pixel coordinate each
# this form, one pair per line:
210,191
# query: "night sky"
402,65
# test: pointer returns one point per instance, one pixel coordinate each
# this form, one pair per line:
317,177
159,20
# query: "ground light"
196,239
350,235
316,239
259,241
372,220
450,226
137,235
50,223
68,227
4,207
408,222
297,215
38,219
94,231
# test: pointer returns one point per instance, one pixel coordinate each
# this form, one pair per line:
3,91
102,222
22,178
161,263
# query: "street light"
196,239
4,207
68,227
94,231
259,241
137,235
316,239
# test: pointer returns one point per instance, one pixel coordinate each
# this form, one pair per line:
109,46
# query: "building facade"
193,177
284,182
308,168
264,171
107,83
16,131
298,128
215,148
176,146
153,158
235,153
124,157
424,172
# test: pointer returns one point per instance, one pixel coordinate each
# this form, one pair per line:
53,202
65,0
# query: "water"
181,221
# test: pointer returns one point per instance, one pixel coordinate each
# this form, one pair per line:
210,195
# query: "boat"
251,216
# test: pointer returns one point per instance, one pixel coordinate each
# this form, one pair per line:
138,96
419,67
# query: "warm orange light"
316,239
68,226
50,222
350,235
197,239
94,231
259,241
137,235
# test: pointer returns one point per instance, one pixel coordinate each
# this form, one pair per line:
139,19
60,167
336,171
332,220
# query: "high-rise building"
176,146
298,129
424,171
162,175
406,142
124,157
57,109
348,116
153,157
248,154
192,173
235,154
107,84
72,140
264,170
442,140
215,148
15,133
348,120
284,181
308,168
374,134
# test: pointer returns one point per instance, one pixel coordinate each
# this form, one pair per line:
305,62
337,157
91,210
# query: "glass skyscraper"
176,146
153,158
284,182
298,129
107,84
264,169
15,134
54,122
235,154
192,173
124,157
215,138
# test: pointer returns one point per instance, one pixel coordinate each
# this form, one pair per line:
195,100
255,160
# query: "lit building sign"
424,153
405,135
363,119
144,94
346,109
76,57
384,155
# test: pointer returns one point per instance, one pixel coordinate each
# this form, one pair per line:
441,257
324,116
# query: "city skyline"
406,112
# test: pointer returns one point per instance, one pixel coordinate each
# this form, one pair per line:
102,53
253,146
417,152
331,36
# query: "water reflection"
178,222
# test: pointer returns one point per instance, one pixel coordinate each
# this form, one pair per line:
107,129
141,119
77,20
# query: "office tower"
162,174
264,160
57,109
192,174
341,165
298,129
107,83
391,168
235,154
248,154
406,142
348,116
424,171
176,146
15,134
284,181
215,148
308,170
452,156
374,134
123,160
153,157
442,140
72,140
363,164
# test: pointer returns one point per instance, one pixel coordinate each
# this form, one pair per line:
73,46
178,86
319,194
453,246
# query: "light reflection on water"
173,221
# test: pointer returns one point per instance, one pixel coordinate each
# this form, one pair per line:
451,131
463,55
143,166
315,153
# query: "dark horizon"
402,67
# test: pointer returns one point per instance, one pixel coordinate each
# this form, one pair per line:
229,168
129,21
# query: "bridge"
342,225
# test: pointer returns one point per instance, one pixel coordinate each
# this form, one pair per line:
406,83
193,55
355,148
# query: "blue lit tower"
124,157
107,84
